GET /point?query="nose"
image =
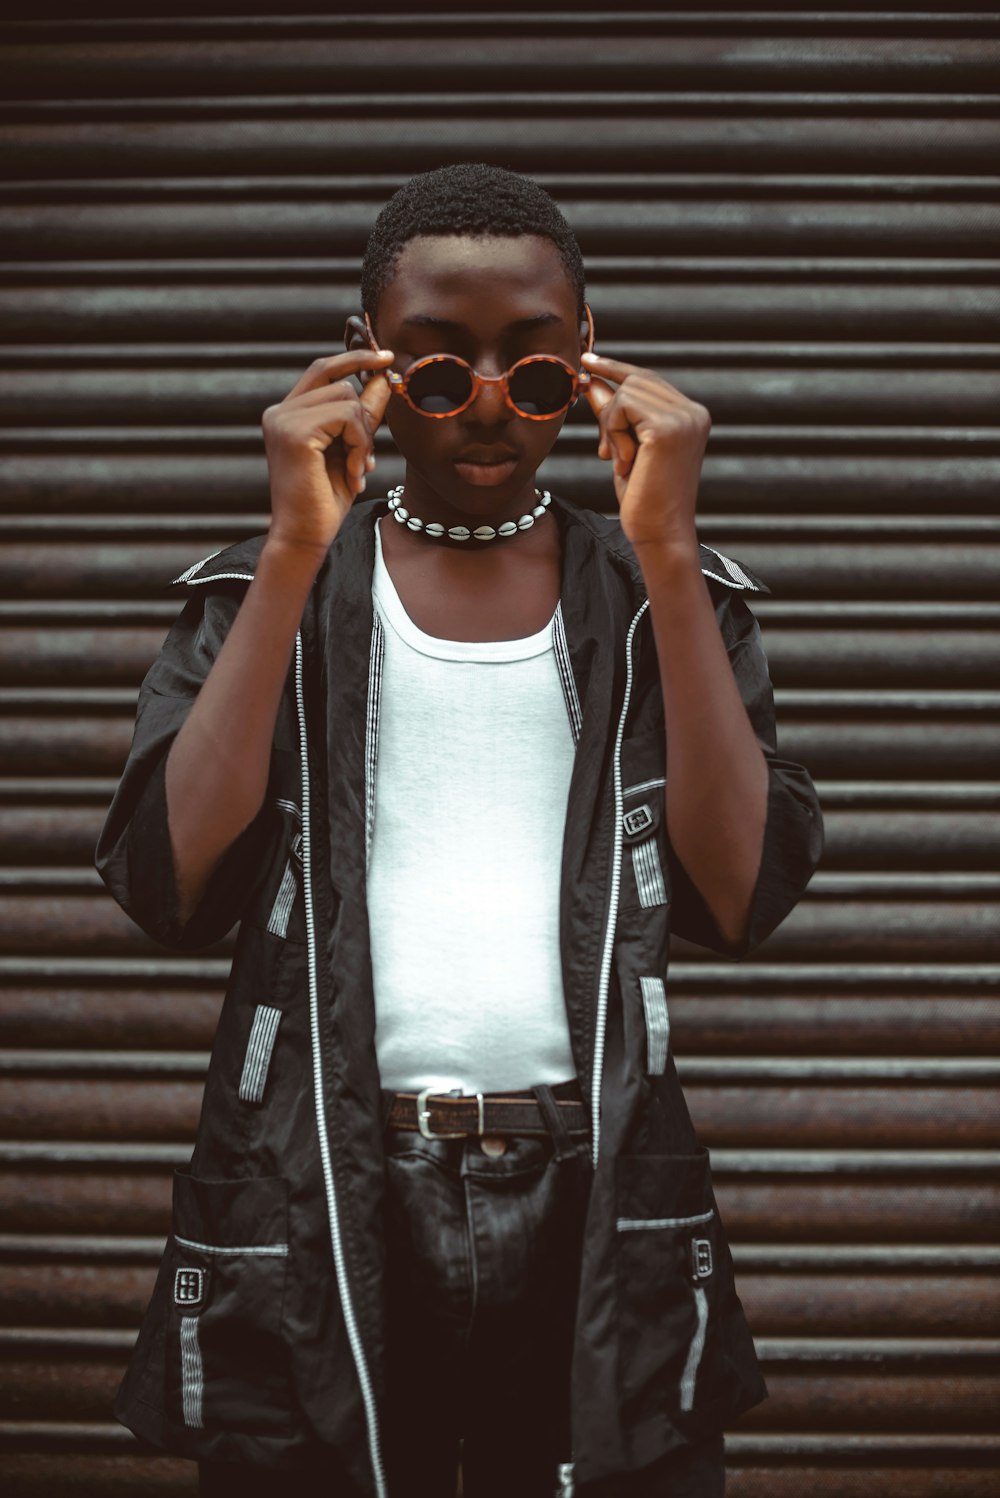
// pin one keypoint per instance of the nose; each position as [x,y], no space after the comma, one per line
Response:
[490,403]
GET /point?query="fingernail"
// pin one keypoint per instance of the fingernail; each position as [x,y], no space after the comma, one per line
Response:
[386,353]
[590,357]
[361,485]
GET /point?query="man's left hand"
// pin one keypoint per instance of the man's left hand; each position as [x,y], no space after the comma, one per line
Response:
[656,439]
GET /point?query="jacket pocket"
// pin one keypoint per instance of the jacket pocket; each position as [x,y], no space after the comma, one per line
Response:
[645,882]
[227,1360]
[668,1262]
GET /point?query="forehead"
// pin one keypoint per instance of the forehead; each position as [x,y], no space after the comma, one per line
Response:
[464,278]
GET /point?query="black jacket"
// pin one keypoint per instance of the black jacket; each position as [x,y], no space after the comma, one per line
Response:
[266,1328]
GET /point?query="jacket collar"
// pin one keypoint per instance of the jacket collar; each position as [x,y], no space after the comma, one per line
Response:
[355,541]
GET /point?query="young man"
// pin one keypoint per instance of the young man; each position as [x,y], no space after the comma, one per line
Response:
[446,1198]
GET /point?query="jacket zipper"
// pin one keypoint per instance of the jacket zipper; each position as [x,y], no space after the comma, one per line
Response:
[333,1210]
[604,982]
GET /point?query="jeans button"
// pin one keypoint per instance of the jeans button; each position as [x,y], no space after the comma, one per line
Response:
[492,1145]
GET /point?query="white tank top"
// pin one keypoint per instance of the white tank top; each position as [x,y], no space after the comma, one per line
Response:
[475,754]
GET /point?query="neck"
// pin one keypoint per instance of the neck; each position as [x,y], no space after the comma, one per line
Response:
[487,506]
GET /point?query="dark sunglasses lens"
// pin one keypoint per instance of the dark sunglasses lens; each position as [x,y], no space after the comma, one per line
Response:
[439,388]
[541,388]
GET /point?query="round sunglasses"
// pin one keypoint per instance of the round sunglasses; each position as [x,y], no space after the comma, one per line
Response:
[538,387]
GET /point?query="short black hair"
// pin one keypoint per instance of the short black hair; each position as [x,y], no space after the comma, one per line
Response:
[469,198]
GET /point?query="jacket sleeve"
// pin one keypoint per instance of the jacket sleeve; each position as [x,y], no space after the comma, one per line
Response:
[793,832]
[133,854]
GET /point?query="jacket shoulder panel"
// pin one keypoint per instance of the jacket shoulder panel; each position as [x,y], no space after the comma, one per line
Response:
[727,570]
[238,561]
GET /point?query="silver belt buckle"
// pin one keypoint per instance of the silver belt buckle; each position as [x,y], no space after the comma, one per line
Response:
[424,1117]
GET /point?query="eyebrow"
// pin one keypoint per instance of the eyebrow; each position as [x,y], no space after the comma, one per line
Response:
[424,320]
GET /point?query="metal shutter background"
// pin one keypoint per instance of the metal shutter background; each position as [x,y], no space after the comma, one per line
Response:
[793,215]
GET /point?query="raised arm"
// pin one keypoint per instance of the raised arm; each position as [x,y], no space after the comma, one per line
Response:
[319,443]
[717,789]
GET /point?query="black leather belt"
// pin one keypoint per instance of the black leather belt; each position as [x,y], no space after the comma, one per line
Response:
[439,1116]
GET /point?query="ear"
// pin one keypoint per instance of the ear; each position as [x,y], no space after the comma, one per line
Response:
[586,329]
[356,337]
[355,332]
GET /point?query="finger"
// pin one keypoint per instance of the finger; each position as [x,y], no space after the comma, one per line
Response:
[375,398]
[338,366]
[599,396]
[618,370]
[321,395]
[618,436]
[613,369]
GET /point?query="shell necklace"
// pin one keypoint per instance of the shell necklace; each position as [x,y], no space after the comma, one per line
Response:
[461,533]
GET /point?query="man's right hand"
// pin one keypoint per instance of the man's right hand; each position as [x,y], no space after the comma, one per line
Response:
[320,446]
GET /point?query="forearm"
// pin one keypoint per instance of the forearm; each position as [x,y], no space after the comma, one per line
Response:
[717,776]
[218,765]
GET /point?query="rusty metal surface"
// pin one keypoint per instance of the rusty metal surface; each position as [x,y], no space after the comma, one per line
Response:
[811,201]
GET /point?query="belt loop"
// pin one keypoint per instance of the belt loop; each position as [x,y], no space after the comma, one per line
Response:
[564,1145]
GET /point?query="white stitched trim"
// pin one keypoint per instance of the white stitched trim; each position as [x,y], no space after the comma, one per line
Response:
[319,1102]
[567,1486]
[604,980]
[262,1250]
[635,1224]
[654,1004]
[189,572]
[258,1057]
[736,577]
[192,1373]
[706,572]
[648,873]
[243,577]
[644,785]
[566,676]
[291,806]
[375,662]
[735,570]
[284,900]
[690,1374]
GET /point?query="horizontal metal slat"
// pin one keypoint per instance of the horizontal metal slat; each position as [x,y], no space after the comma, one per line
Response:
[163,1015]
[734,1116]
[915,847]
[74,1377]
[537,56]
[71,1294]
[133,1199]
[143,396]
[21,1061]
[831,570]
[771,214]
[758,137]
[785,354]
[100,1462]
[860,930]
[823,308]
[52,744]
[97,486]
[837,658]
[579,441]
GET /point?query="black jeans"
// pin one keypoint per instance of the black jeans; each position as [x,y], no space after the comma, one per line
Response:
[482,1269]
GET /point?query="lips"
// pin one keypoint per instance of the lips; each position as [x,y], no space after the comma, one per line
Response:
[487,455]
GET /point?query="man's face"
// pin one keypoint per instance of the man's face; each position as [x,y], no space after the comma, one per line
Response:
[491,301]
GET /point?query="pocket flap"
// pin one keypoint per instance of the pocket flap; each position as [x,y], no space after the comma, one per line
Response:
[662,1190]
[231,1214]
